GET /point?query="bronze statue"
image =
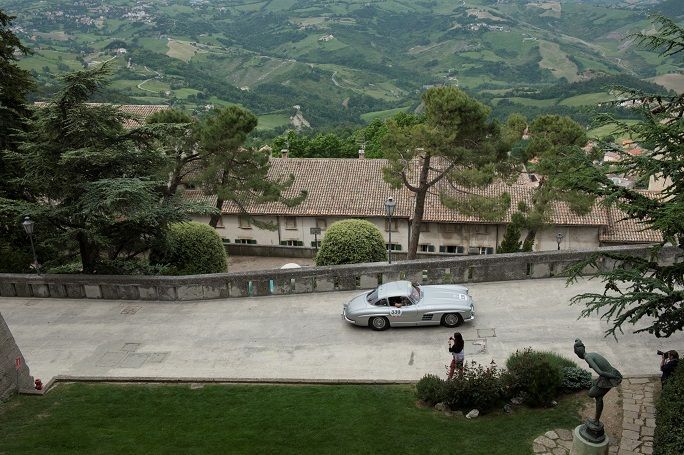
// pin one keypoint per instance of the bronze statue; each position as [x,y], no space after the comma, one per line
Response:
[608,378]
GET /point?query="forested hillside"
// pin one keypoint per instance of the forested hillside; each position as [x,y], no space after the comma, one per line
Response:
[347,62]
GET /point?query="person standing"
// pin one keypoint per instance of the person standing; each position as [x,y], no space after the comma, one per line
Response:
[668,362]
[456,346]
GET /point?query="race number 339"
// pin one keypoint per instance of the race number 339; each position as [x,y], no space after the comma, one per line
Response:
[395,312]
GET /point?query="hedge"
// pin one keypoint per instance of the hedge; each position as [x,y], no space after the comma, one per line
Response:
[669,434]
[191,248]
[351,242]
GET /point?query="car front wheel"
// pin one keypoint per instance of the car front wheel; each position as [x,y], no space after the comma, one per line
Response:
[379,323]
[452,320]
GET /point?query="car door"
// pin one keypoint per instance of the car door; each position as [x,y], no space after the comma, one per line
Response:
[402,311]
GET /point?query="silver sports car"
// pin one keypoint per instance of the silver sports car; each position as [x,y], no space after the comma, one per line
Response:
[402,303]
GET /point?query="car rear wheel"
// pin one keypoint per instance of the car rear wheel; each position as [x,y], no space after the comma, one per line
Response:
[379,323]
[452,320]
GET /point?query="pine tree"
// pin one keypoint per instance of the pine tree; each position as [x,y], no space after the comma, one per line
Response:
[637,289]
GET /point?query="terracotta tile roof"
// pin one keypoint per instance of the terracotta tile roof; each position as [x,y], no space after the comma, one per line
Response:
[628,230]
[355,188]
[140,111]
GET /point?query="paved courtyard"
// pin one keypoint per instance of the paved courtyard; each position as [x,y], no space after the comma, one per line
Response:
[303,336]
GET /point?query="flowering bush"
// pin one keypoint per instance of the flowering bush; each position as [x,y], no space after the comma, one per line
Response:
[476,387]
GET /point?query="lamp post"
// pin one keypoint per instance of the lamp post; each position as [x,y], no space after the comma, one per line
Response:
[315,231]
[390,203]
[559,239]
[28,224]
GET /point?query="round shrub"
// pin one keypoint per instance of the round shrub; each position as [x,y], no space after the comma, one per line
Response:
[535,375]
[351,242]
[575,379]
[191,248]
[430,389]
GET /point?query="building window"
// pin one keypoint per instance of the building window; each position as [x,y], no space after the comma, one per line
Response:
[291,243]
[290,222]
[395,225]
[394,246]
[426,248]
[424,227]
[315,244]
[451,249]
[246,241]
[321,223]
[449,227]
[480,250]
[482,229]
[244,223]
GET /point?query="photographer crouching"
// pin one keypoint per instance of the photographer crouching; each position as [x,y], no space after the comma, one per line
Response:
[668,363]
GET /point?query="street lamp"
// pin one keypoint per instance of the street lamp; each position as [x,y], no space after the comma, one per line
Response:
[28,224]
[390,203]
[559,239]
[315,231]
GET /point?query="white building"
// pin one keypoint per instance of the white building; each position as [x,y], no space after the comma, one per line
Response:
[354,188]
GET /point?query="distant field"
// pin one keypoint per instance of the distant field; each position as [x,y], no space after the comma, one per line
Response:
[184,92]
[181,50]
[557,61]
[370,116]
[672,81]
[587,99]
[271,121]
[528,101]
[606,130]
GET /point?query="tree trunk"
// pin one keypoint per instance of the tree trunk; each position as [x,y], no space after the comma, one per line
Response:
[213,221]
[89,253]
[419,210]
[174,181]
[416,222]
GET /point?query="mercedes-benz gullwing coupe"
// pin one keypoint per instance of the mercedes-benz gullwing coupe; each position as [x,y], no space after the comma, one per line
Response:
[402,303]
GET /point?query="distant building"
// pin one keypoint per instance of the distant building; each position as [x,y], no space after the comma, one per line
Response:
[354,188]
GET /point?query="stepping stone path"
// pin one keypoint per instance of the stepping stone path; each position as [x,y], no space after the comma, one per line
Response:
[638,423]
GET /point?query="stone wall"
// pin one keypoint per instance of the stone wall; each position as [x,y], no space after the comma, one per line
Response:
[9,351]
[452,269]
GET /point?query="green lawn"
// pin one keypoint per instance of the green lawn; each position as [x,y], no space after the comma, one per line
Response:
[129,419]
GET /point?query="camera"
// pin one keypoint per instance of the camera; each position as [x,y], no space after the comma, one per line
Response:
[660,352]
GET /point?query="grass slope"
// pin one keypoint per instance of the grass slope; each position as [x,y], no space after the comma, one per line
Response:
[131,419]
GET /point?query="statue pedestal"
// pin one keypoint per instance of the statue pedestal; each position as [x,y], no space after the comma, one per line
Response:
[583,446]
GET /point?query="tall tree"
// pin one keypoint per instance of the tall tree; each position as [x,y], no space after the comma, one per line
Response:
[178,140]
[235,173]
[15,84]
[92,181]
[454,142]
[552,151]
[637,289]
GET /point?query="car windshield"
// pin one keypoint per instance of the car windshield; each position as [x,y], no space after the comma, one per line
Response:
[372,296]
[415,293]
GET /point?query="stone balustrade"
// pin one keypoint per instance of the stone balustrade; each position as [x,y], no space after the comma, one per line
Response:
[449,269]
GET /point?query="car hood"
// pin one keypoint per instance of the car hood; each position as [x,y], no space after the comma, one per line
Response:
[357,303]
[446,295]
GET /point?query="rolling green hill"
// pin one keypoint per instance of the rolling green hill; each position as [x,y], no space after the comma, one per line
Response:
[342,62]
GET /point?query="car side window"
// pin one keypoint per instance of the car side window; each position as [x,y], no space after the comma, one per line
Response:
[381,302]
[405,301]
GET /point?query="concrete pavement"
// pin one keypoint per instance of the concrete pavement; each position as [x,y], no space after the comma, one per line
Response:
[303,336]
